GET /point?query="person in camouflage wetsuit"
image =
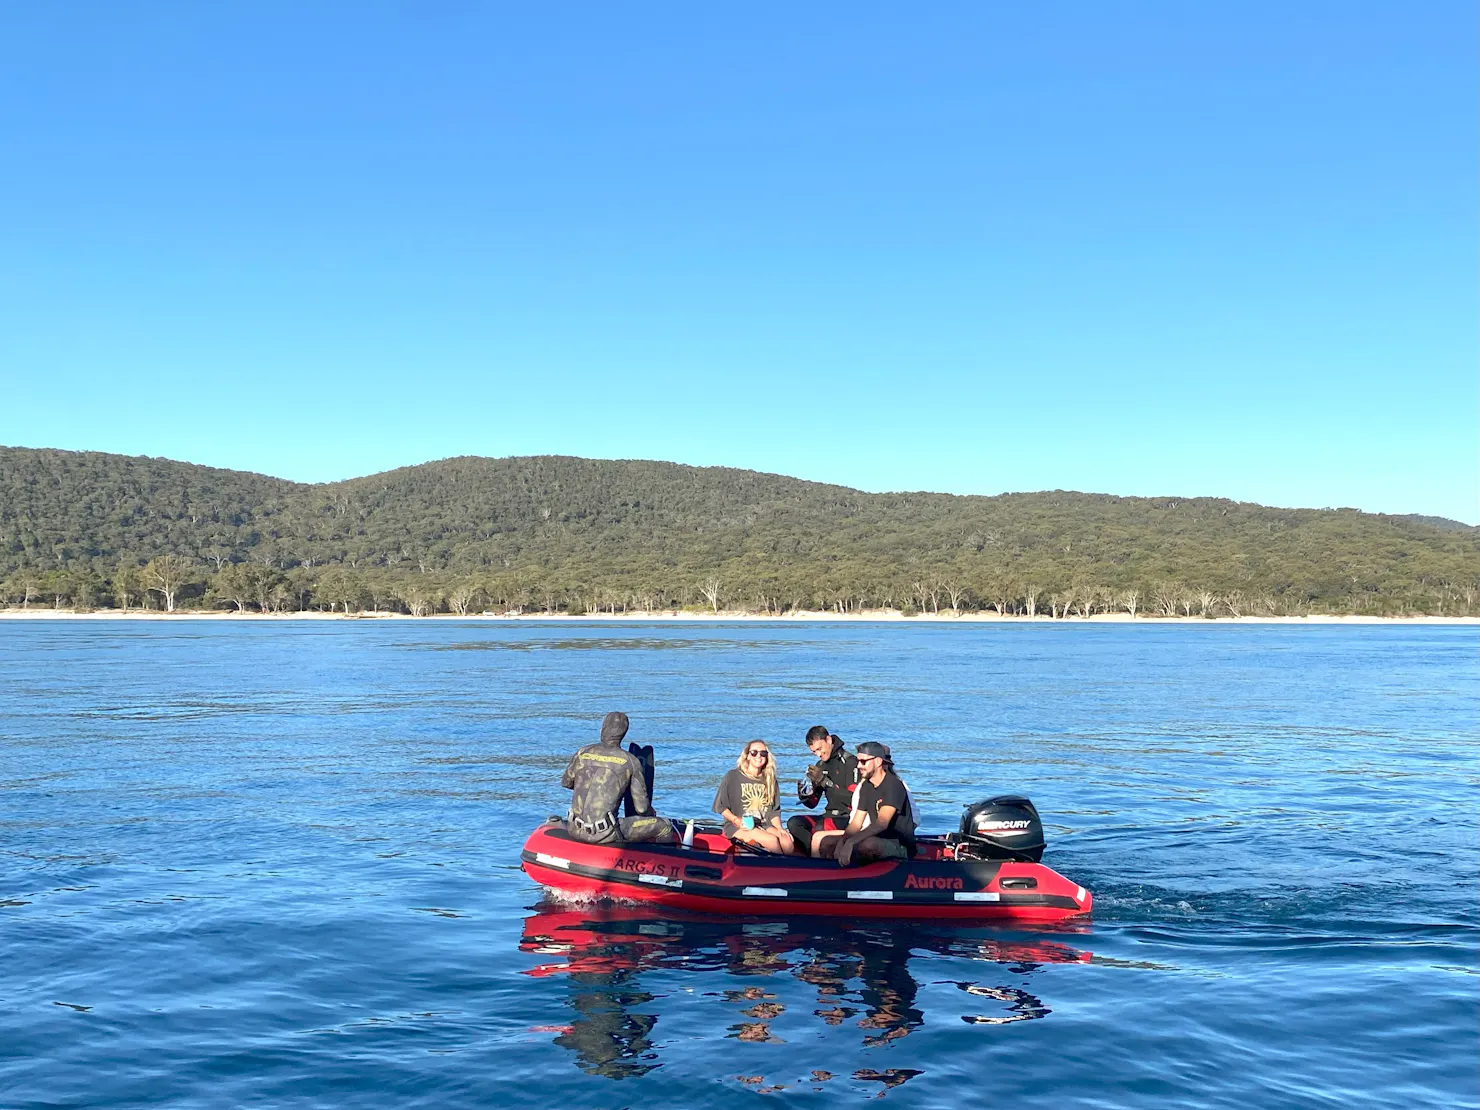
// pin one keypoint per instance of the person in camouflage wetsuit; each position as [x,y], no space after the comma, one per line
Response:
[599,777]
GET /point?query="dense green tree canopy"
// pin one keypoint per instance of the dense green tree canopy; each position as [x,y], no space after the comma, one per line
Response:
[577,534]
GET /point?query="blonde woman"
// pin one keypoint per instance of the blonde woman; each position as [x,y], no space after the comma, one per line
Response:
[749,802]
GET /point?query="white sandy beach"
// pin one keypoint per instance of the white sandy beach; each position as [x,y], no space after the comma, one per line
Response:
[803,616]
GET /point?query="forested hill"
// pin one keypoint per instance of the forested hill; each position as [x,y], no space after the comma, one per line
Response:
[569,533]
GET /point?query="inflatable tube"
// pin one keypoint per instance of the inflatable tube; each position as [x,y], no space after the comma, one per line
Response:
[712,877]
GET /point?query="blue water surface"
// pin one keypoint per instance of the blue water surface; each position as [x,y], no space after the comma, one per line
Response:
[277,864]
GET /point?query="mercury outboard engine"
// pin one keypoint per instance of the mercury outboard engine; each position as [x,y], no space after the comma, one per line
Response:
[1001,828]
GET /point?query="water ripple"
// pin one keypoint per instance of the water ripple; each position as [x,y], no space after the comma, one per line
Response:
[278,865]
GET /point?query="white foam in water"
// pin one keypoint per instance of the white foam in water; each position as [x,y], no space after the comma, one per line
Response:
[575,898]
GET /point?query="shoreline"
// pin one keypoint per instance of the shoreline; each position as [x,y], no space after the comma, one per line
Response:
[668,616]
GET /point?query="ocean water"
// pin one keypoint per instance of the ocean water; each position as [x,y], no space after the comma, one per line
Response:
[253,864]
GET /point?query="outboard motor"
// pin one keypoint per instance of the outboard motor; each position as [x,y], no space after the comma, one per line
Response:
[1001,828]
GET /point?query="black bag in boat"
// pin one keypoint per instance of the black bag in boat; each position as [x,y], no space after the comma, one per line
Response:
[644,755]
[1001,828]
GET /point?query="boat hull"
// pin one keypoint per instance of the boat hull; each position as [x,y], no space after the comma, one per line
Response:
[713,878]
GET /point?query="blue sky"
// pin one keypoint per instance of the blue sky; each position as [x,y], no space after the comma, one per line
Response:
[1135,248]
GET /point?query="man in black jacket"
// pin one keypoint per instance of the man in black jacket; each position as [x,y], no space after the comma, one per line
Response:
[599,777]
[832,780]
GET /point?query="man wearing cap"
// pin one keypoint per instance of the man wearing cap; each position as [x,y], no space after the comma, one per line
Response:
[883,823]
[599,777]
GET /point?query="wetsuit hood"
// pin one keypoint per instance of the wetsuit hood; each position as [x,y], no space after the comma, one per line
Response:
[613,728]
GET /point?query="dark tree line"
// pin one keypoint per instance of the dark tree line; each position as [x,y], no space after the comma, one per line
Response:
[555,534]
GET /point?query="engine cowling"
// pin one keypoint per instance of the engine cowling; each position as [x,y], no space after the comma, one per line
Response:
[1006,827]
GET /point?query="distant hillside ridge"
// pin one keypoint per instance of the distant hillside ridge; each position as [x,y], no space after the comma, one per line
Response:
[578,534]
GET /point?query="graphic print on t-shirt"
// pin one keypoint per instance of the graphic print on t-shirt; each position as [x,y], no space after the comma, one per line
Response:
[753,799]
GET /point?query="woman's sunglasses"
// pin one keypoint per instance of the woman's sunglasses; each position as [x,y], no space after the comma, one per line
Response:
[759,754]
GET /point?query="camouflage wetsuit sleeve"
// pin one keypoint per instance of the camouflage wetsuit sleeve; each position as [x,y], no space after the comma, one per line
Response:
[568,780]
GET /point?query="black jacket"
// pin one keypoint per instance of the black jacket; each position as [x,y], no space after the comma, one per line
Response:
[839,780]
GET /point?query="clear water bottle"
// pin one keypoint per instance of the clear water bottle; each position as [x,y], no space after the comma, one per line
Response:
[688,834]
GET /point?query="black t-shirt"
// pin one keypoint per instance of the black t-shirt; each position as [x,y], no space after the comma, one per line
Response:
[890,792]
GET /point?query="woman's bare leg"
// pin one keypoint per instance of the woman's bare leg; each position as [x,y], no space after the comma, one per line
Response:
[765,839]
[774,840]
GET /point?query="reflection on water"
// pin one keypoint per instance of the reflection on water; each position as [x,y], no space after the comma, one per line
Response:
[858,976]
[601,643]
[1022,1005]
[606,1036]
[277,865]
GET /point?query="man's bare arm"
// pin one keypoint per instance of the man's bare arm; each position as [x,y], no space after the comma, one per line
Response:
[867,827]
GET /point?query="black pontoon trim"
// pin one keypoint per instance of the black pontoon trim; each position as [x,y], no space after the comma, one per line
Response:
[838,890]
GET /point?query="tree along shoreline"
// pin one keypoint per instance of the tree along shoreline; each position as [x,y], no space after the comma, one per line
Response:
[172,583]
[565,535]
[699,616]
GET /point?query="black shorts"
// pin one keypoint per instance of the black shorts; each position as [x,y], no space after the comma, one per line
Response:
[887,847]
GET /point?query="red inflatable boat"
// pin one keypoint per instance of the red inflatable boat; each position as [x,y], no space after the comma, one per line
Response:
[712,877]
